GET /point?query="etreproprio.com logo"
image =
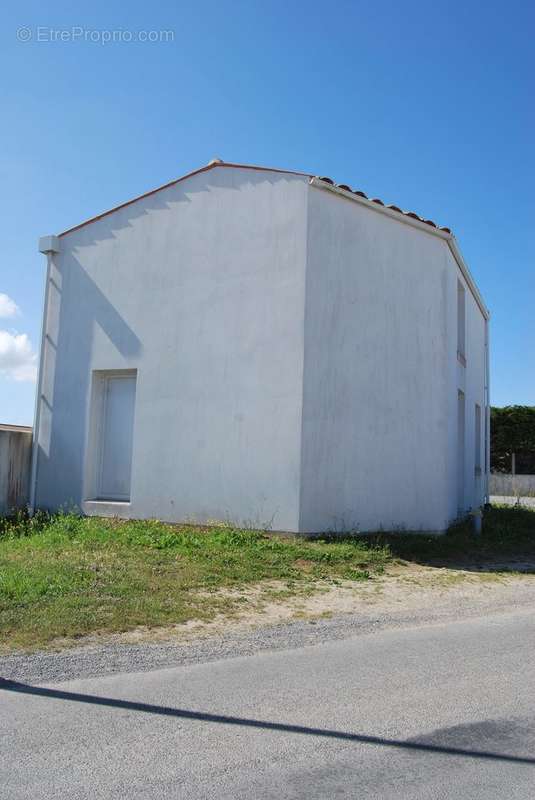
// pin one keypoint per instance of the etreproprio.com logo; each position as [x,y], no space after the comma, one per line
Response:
[76,33]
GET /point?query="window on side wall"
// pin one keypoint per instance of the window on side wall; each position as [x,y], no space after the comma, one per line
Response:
[461,323]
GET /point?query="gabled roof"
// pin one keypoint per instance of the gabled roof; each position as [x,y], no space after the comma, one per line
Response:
[216,162]
[324,182]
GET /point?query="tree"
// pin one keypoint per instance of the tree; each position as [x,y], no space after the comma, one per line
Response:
[512,430]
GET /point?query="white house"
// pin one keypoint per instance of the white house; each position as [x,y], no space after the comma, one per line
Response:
[266,347]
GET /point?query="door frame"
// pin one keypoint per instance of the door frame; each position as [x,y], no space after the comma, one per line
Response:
[95,434]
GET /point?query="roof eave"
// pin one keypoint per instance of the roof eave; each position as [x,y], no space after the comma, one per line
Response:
[463,266]
[414,223]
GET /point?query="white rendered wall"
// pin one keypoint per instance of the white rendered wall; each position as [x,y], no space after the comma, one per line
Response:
[296,357]
[199,287]
[380,379]
[470,379]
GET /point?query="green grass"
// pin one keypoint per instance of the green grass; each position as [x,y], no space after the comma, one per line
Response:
[67,576]
[508,536]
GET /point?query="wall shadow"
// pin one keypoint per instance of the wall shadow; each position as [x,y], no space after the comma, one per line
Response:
[506,543]
[67,377]
[81,306]
[183,191]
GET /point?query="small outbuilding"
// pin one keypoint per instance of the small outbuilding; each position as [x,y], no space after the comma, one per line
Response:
[264,347]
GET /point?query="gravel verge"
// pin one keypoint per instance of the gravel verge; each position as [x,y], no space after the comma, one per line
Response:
[107,659]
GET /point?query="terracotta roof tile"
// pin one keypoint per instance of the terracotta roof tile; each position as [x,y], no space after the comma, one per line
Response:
[379,202]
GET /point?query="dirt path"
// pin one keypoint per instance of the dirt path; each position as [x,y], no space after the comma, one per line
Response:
[404,592]
[269,619]
[401,588]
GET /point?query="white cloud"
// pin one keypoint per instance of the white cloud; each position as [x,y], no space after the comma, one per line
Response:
[17,359]
[8,307]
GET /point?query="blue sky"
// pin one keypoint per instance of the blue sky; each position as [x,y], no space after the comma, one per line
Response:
[429,106]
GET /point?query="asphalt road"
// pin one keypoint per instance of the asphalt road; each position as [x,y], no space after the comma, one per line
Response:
[433,711]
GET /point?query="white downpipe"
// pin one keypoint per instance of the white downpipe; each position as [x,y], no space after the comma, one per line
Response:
[39,392]
[47,245]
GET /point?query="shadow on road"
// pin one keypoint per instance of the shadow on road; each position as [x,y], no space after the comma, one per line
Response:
[180,713]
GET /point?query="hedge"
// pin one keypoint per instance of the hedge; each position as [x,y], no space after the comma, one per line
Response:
[512,430]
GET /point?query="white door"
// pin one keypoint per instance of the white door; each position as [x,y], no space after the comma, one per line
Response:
[116,438]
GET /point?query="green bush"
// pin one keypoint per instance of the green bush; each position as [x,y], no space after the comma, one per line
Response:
[512,430]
